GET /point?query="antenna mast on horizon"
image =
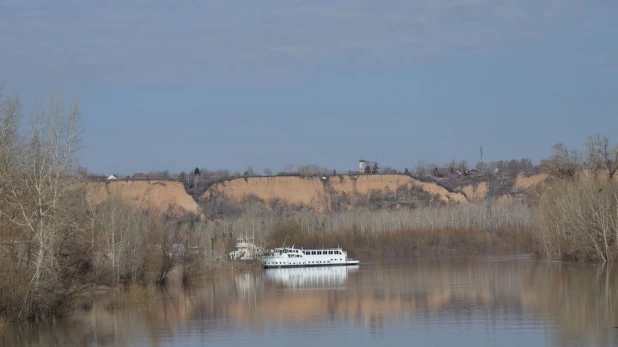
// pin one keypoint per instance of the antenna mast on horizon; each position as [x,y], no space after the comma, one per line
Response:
[481,152]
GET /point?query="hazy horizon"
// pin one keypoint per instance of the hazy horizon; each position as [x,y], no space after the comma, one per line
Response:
[227,85]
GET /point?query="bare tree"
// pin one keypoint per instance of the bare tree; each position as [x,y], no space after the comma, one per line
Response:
[312,170]
[562,162]
[601,156]
[249,172]
[389,170]
[116,221]
[463,166]
[39,170]
[610,156]
[577,219]
[420,169]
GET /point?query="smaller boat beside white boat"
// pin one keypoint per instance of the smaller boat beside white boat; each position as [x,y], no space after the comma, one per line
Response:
[294,257]
[246,249]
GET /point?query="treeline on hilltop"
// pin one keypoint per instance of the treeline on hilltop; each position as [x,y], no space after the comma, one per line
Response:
[449,175]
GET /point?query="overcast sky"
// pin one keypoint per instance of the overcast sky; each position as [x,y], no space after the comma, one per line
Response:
[231,84]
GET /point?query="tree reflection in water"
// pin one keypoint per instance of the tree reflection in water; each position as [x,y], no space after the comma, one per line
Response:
[565,303]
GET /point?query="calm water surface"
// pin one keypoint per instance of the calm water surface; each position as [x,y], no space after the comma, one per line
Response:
[428,301]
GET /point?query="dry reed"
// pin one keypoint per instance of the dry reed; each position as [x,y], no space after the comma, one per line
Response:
[473,227]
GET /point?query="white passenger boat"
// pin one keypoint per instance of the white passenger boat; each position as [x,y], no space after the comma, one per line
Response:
[294,257]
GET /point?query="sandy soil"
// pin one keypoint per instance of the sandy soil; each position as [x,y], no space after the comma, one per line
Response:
[160,195]
[316,192]
[525,183]
[475,193]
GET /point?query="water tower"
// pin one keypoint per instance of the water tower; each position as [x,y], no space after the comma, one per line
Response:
[362,165]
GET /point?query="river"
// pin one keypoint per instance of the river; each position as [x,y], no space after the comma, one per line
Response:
[423,301]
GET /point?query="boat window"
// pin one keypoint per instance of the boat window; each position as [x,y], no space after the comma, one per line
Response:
[313,253]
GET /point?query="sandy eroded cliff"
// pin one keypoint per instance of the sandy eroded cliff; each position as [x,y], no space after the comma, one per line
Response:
[163,196]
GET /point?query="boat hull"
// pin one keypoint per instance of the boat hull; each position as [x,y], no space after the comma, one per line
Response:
[347,263]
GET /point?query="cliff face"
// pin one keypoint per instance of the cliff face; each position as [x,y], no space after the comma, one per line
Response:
[504,188]
[523,184]
[162,196]
[332,193]
[474,192]
[319,193]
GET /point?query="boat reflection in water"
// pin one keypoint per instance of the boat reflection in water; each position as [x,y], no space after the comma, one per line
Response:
[310,278]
